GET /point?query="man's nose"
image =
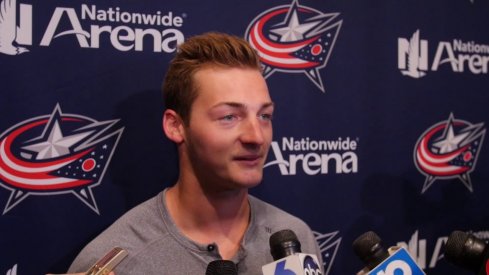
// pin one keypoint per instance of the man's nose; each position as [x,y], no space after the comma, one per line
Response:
[252,132]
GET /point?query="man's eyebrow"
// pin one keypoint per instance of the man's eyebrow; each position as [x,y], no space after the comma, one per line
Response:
[241,105]
[230,104]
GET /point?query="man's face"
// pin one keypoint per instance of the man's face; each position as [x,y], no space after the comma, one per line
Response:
[230,128]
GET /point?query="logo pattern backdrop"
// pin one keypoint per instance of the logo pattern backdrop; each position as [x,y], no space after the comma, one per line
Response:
[380,123]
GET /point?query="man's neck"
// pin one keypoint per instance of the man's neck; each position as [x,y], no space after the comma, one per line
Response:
[210,216]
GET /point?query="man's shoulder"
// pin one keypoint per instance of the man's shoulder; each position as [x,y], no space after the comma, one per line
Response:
[268,219]
[273,216]
[146,217]
[132,231]
[145,211]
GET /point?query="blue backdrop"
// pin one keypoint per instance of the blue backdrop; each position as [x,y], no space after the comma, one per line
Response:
[380,120]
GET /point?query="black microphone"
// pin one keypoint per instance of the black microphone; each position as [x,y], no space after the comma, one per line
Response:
[368,247]
[221,267]
[288,257]
[378,260]
[284,243]
[467,251]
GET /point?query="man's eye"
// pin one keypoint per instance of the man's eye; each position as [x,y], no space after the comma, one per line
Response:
[228,118]
[266,116]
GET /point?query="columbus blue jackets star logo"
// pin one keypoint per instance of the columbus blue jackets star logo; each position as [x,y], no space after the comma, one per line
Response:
[56,154]
[328,245]
[449,149]
[294,39]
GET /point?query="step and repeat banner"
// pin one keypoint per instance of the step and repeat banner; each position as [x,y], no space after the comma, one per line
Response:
[381,118]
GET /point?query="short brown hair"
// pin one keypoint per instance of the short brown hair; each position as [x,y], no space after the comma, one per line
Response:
[208,49]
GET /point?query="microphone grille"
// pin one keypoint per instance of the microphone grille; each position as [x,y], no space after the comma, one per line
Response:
[466,250]
[221,267]
[455,245]
[281,236]
[368,247]
[284,243]
[364,243]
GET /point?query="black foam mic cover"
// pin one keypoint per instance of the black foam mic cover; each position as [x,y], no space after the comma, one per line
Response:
[467,251]
[368,247]
[221,267]
[284,243]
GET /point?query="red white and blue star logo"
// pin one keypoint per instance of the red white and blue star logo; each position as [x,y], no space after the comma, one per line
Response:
[449,149]
[294,39]
[56,154]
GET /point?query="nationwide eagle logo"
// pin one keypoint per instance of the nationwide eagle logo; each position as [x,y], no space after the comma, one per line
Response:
[12,34]
[56,154]
[294,39]
[449,149]
[416,51]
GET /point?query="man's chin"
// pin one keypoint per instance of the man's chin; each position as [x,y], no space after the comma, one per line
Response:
[250,182]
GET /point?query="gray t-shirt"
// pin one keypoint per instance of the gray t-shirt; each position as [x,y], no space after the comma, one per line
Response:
[156,246]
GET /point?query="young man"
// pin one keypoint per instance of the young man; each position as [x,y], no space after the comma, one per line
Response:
[219,114]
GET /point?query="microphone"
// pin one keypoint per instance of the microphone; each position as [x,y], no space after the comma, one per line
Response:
[467,251]
[288,257]
[379,261]
[221,267]
[368,247]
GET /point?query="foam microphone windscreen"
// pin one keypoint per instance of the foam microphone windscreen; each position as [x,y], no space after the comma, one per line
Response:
[221,267]
[466,250]
[368,247]
[284,243]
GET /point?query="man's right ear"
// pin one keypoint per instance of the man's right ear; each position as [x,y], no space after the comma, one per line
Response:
[173,126]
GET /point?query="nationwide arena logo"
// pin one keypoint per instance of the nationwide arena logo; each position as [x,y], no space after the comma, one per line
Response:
[457,56]
[294,39]
[426,254]
[56,154]
[314,157]
[90,26]
[449,149]
[328,245]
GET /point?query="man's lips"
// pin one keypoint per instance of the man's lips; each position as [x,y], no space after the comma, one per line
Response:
[248,158]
